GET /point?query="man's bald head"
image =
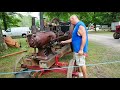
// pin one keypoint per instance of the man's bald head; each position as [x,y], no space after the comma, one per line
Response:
[74,19]
[74,16]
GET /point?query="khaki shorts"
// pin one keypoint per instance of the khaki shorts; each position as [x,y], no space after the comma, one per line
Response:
[80,60]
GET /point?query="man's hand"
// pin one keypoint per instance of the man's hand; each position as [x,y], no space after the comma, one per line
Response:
[62,42]
[66,41]
[80,53]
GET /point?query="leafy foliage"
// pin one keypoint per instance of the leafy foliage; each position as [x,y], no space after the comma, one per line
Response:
[9,19]
[26,21]
[87,17]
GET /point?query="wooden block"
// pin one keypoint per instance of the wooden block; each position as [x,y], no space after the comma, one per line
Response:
[51,58]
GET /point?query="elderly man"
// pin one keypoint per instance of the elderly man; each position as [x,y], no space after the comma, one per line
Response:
[79,42]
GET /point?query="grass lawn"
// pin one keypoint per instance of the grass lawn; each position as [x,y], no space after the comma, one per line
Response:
[7,63]
[97,54]
[101,32]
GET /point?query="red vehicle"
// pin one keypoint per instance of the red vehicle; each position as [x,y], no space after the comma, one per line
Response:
[92,27]
[116,35]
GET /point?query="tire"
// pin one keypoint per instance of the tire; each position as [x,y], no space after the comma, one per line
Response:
[24,35]
[70,68]
[116,36]
[4,35]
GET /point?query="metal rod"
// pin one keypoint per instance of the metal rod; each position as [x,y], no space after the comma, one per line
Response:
[41,21]
[33,21]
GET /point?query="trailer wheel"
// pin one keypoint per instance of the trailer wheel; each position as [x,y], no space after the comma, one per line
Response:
[17,68]
[21,60]
[72,69]
[24,35]
[4,35]
[116,36]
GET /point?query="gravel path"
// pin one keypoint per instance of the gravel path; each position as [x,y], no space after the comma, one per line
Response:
[105,40]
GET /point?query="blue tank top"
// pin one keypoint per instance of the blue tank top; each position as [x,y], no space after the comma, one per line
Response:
[77,40]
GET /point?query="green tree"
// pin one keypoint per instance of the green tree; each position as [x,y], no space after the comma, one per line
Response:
[87,17]
[26,21]
[37,22]
[7,19]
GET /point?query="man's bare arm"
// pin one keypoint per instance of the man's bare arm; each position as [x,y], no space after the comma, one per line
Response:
[67,41]
[82,32]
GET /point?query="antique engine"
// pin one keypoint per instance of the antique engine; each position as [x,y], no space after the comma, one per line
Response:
[45,40]
[47,49]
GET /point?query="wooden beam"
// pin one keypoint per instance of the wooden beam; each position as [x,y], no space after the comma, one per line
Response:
[13,54]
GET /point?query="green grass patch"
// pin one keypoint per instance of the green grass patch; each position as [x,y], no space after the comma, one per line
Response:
[101,32]
[102,54]
[54,75]
[7,64]
[10,50]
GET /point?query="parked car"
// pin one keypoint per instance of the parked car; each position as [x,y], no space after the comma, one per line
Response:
[17,31]
[98,27]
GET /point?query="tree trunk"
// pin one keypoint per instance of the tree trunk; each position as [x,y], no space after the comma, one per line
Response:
[94,17]
[95,26]
[4,21]
[3,45]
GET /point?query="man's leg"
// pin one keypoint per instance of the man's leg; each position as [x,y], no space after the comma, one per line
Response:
[83,66]
[84,71]
[80,61]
